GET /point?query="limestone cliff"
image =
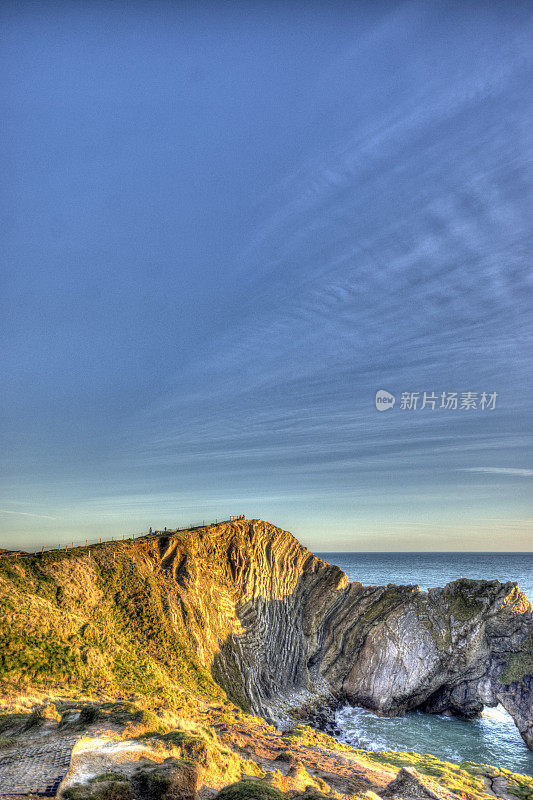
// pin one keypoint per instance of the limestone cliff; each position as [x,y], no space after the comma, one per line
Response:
[244,603]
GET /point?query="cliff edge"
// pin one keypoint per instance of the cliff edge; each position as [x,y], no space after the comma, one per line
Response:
[243,607]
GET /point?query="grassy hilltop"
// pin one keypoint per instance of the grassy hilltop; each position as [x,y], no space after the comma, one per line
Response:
[118,645]
[95,620]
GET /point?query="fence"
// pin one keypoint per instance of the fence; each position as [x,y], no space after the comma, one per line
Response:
[77,544]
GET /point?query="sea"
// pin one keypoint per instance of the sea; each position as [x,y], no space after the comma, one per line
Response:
[490,739]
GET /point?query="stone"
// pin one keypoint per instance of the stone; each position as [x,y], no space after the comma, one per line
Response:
[172,780]
[410,785]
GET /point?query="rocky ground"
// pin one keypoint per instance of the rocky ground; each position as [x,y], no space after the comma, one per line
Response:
[124,751]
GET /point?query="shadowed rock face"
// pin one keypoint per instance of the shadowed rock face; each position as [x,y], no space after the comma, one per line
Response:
[275,625]
[303,626]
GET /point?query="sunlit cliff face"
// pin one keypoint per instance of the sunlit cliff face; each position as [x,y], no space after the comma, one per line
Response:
[242,607]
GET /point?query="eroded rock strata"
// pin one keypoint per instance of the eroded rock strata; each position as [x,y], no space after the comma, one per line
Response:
[276,625]
[299,624]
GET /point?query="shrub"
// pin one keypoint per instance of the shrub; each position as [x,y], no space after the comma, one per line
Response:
[46,713]
[250,790]
[109,786]
[172,780]
[7,741]
[89,715]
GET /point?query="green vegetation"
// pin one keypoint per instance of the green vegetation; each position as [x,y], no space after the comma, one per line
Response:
[461,598]
[109,776]
[464,779]
[519,785]
[89,715]
[13,721]
[94,623]
[464,609]
[312,738]
[250,790]
[42,714]
[287,757]
[109,786]
[519,664]
[450,775]
[173,779]
[92,627]
[7,741]
[391,597]
[203,749]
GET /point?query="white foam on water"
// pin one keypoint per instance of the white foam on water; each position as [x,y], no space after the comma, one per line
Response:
[491,739]
[496,714]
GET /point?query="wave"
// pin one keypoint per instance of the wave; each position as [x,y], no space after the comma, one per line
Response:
[490,739]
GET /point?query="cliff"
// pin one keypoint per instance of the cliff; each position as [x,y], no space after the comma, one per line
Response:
[243,607]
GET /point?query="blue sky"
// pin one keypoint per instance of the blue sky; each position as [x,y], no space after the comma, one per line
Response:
[225,227]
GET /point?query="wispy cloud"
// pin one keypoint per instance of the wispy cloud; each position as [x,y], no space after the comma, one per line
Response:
[522,473]
[26,514]
[370,232]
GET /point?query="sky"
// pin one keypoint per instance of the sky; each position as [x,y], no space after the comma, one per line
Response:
[226,226]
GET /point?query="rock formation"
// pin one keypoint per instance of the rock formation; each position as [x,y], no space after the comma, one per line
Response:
[276,626]
[302,626]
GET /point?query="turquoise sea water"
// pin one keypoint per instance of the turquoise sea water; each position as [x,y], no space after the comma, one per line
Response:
[490,739]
